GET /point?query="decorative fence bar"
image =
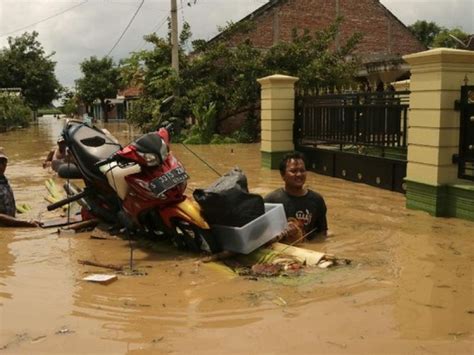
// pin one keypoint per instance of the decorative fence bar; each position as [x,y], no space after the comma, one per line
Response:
[367,119]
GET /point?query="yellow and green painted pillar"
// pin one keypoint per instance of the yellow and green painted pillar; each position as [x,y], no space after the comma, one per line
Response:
[277,118]
[433,134]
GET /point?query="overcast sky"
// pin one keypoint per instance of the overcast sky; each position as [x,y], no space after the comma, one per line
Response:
[78,29]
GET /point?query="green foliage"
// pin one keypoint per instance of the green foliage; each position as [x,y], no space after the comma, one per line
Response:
[215,139]
[205,117]
[218,139]
[49,111]
[13,112]
[70,107]
[217,81]
[70,102]
[445,38]
[249,132]
[195,139]
[433,36]
[425,31]
[100,81]
[145,113]
[231,29]
[310,57]
[24,64]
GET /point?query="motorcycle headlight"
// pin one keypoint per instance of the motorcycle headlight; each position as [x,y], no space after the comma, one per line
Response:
[151,159]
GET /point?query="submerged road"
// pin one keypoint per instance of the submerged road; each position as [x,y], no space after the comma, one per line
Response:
[409,288]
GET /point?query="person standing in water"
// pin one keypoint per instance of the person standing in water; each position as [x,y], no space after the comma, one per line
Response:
[7,200]
[305,206]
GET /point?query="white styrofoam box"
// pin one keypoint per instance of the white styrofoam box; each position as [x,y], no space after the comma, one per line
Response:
[254,234]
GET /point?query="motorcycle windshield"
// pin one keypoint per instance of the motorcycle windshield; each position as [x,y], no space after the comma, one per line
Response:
[151,143]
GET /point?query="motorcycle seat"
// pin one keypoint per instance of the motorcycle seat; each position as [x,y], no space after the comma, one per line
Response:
[88,156]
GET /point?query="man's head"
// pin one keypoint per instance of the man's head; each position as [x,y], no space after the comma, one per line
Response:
[3,161]
[293,171]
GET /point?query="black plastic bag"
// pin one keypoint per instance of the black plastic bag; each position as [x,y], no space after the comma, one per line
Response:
[228,202]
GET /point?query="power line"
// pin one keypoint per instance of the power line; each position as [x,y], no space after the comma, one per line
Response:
[43,20]
[126,28]
[157,27]
[153,30]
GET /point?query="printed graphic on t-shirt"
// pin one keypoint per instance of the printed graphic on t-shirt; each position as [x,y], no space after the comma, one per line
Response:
[304,216]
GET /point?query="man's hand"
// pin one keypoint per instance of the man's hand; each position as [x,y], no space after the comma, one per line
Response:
[293,232]
[34,223]
[9,221]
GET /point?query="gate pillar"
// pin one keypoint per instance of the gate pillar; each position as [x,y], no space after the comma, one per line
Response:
[433,134]
[277,118]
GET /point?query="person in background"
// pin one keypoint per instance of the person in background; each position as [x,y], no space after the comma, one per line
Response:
[303,206]
[57,156]
[7,200]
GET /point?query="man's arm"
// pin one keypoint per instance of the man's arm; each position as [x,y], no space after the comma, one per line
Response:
[48,159]
[9,221]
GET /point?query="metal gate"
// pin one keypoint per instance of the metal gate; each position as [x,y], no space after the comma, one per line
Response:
[356,136]
[465,158]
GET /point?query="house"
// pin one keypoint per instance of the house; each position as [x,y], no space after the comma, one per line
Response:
[129,95]
[118,106]
[385,38]
[10,91]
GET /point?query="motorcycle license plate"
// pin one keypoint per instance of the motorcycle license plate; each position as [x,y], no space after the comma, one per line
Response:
[168,180]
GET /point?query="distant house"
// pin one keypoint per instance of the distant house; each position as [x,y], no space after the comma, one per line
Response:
[118,106]
[10,91]
[129,95]
[385,38]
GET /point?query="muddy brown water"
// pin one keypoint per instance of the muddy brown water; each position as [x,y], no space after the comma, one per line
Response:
[409,289]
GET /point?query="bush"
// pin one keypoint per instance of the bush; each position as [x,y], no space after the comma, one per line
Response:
[195,139]
[217,139]
[69,108]
[13,112]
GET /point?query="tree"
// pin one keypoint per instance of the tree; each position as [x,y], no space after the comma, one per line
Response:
[69,104]
[24,64]
[217,81]
[311,58]
[450,38]
[13,112]
[100,81]
[425,31]
[433,36]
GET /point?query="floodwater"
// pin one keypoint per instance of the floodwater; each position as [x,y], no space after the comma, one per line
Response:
[409,289]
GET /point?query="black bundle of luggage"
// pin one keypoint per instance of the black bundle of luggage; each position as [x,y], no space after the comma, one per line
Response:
[228,201]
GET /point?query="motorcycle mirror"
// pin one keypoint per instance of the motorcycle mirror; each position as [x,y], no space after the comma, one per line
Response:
[166,104]
[96,141]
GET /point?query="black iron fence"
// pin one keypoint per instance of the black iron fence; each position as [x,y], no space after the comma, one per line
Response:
[365,119]
[465,158]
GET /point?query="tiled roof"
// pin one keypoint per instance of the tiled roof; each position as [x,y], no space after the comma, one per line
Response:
[131,92]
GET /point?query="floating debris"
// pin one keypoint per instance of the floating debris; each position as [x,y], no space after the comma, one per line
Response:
[100,278]
[106,266]
[64,331]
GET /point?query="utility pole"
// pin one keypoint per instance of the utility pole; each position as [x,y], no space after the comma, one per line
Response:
[174,37]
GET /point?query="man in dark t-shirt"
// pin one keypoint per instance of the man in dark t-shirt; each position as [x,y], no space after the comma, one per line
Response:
[307,206]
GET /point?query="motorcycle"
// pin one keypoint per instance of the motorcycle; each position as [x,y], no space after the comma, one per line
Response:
[141,186]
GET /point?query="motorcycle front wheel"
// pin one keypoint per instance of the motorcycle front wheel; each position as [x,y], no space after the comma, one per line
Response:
[189,236]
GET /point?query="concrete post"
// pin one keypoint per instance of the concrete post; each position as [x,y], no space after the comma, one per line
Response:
[277,115]
[433,134]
